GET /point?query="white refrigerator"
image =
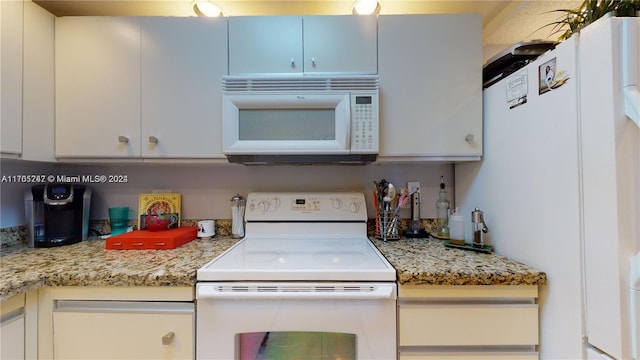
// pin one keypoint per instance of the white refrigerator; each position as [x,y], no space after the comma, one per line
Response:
[559,185]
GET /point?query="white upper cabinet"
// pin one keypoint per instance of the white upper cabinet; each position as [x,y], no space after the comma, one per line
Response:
[11,20]
[430,69]
[183,62]
[38,81]
[340,44]
[260,44]
[147,87]
[309,44]
[27,78]
[97,87]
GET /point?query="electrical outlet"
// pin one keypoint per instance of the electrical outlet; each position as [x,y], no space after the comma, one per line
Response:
[411,186]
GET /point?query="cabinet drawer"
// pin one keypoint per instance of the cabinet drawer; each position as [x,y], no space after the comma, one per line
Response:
[468,356]
[123,330]
[468,324]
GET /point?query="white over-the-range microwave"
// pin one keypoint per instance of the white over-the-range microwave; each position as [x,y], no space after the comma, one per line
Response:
[300,119]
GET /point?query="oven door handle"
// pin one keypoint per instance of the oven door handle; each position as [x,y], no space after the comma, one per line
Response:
[380,292]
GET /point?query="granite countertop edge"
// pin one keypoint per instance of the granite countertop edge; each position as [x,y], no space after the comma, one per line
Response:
[88,263]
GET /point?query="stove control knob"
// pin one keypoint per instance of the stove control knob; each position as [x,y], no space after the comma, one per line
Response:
[263,206]
[354,207]
[337,203]
[276,201]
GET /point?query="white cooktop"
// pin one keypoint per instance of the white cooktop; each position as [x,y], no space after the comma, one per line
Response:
[302,237]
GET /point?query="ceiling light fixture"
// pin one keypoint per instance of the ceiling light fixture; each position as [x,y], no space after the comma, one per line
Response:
[366,7]
[206,8]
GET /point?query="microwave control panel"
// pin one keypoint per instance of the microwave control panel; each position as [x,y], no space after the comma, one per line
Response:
[364,123]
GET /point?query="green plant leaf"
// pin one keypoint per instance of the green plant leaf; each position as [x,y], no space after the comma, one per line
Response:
[588,12]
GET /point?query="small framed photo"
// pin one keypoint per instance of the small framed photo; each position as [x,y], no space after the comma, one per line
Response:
[546,76]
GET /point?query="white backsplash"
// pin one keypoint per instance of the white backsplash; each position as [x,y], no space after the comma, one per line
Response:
[207,189]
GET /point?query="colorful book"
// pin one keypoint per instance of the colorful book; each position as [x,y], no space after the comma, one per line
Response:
[164,204]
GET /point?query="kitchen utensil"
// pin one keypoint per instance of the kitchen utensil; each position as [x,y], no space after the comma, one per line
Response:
[386,202]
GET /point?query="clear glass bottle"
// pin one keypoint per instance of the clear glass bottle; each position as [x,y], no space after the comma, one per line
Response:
[237,216]
[443,206]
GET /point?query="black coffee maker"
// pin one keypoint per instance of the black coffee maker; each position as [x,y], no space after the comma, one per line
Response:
[57,214]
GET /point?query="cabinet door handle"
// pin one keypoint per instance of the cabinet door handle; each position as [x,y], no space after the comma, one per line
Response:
[153,140]
[313,62]
[123,139]
[168,338]
[293,62]
[469,138]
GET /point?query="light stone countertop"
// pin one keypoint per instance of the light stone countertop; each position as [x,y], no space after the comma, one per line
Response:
[429,262]
[88,263]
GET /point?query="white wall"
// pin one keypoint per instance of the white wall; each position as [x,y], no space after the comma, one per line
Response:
[207,189]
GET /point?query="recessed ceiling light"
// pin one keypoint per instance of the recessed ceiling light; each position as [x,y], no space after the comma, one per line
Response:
[366,7]
[206,8]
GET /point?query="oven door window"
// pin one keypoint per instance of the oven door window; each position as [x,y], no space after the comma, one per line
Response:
[289,345]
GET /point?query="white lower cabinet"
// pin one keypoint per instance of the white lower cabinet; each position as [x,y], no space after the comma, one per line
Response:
[118,323]
[18,327]
[123,330]
[468,356]
[468,322]
[12,325]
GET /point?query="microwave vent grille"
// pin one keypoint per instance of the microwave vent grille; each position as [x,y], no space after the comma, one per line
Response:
[303,83]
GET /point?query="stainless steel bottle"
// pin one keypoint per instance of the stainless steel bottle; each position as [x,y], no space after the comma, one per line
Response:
[478,228]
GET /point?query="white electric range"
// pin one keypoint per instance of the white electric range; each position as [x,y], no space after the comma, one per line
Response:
[305,282]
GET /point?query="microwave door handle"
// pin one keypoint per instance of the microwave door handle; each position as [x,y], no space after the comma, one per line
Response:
[350,112]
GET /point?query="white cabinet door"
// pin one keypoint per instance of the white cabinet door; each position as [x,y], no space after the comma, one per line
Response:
[11,20]
[468,322]
[265,44]
[97,87]
[430,69]
[340,44]
[309,44]
[38,103]
[12,338]
[183,62]
[12,328]
[123,330]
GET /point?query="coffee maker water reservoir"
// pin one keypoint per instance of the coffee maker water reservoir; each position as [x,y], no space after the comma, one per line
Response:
[57,214]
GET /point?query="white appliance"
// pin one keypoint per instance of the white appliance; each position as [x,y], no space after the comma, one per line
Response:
[560,185]
[300,119]
[304,283]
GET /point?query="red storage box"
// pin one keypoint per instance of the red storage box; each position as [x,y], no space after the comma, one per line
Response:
[152,240]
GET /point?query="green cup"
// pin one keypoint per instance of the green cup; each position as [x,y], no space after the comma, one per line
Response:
[119,219]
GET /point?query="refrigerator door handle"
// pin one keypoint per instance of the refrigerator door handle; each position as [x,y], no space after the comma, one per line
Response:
[631,101]
[630,56]
[600,353]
